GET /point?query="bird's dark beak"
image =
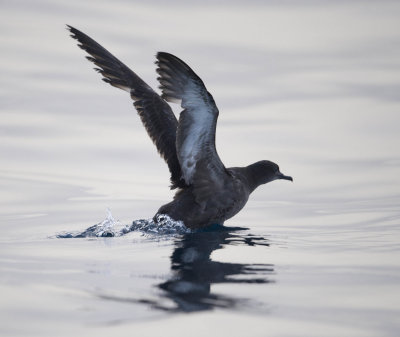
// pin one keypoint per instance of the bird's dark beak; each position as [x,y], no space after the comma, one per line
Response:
[279,175]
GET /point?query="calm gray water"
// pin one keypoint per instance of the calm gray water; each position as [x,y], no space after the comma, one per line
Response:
[311,85]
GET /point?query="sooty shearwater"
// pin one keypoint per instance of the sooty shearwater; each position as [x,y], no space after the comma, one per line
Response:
[208,192]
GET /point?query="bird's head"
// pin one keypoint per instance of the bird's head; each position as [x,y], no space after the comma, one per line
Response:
[265,171]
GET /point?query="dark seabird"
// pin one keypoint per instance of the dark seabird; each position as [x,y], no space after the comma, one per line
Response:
[208,192]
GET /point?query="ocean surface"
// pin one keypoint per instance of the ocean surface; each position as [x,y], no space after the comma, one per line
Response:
[311,85]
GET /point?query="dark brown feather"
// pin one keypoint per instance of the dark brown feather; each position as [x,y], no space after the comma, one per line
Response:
[156,115]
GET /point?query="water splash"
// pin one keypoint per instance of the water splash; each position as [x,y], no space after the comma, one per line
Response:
[161,224]
[106,228]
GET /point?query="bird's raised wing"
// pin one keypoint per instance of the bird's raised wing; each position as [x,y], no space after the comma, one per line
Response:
[156,115]
[195,140]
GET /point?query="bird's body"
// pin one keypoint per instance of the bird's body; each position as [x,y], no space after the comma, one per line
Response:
[208,193]
[223,204]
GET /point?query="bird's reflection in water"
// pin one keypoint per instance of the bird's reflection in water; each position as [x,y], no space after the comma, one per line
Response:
[193,270]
